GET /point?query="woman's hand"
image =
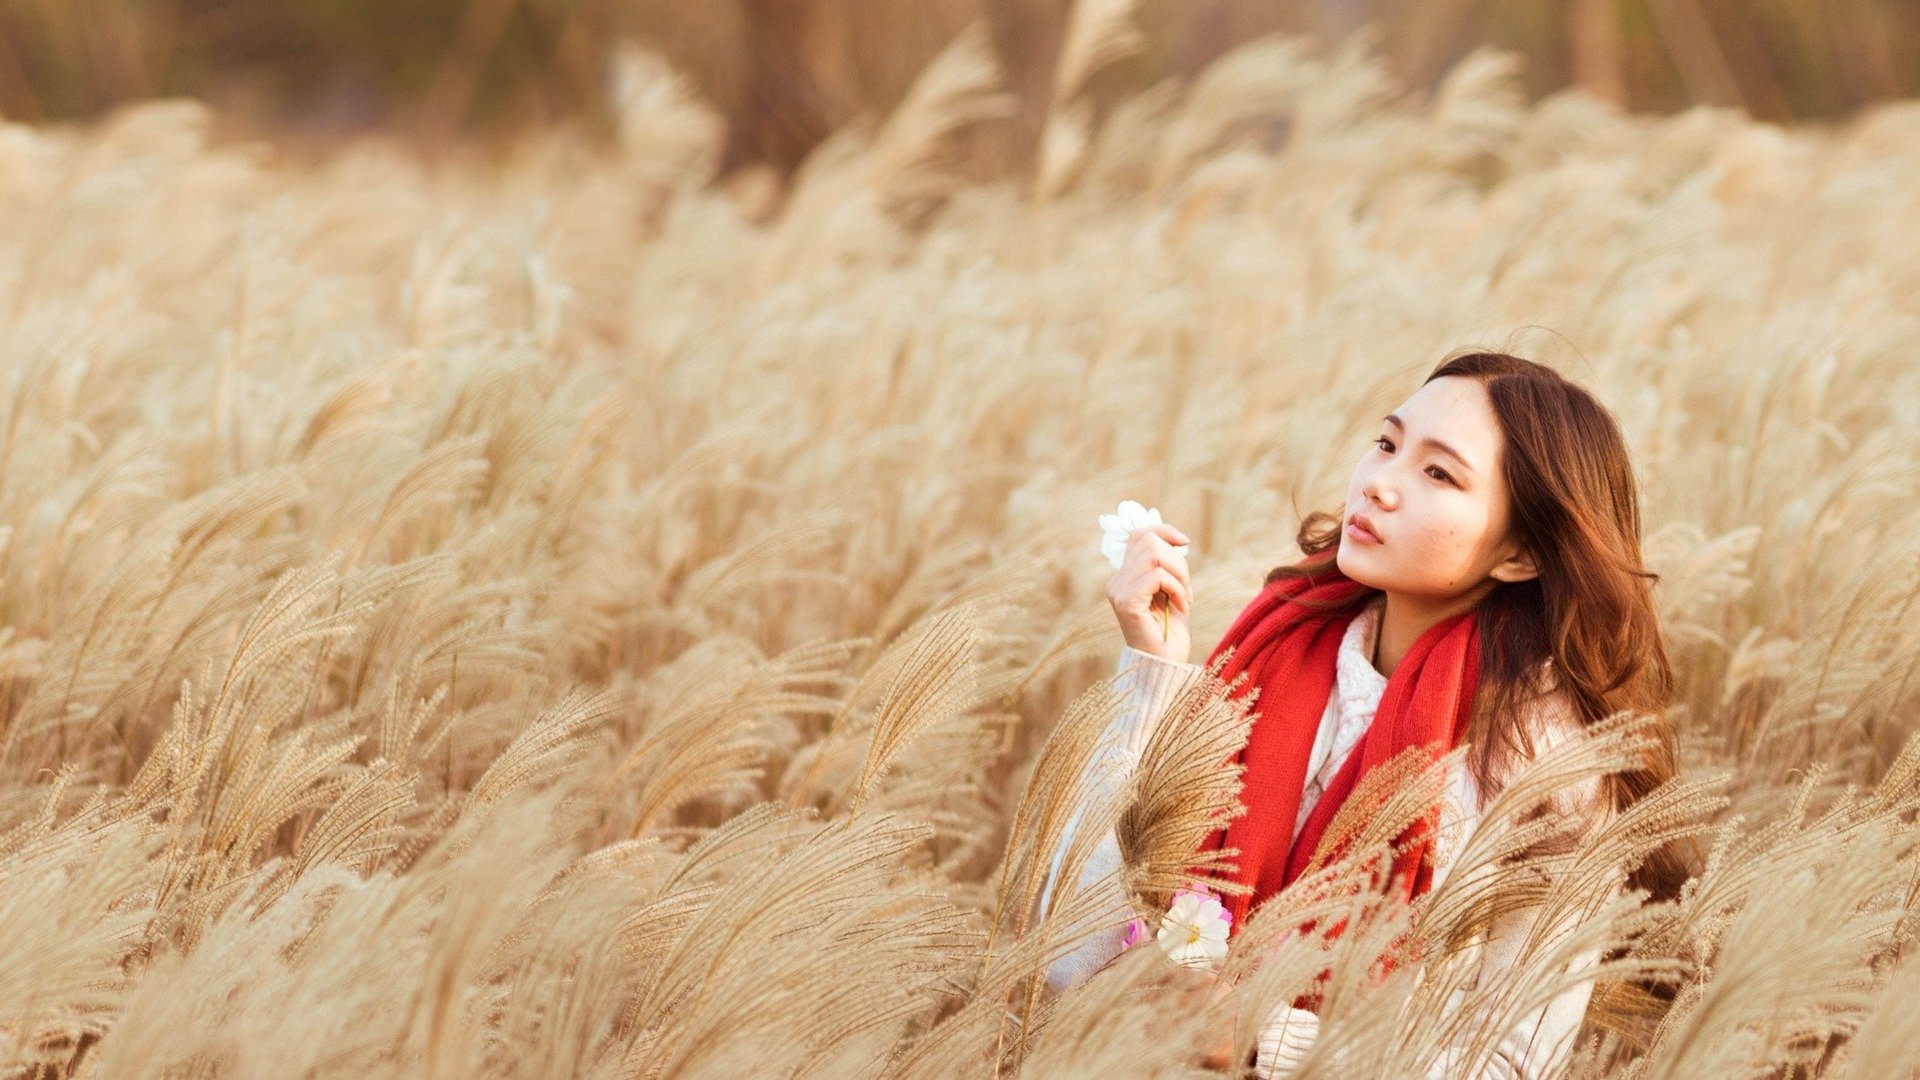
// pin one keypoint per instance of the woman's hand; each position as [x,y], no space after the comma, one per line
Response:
[1152,567]
[1220,1047]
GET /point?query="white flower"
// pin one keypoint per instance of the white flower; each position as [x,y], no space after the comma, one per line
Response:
[1194,929]
[1118,525]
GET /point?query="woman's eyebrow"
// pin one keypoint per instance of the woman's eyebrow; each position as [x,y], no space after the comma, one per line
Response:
[1428,440]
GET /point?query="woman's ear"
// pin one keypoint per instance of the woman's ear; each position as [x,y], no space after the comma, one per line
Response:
[1517,566]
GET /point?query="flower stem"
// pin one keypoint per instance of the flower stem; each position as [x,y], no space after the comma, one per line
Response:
[1166,610]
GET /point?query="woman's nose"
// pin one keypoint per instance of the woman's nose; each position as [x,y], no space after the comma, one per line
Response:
[1380,492]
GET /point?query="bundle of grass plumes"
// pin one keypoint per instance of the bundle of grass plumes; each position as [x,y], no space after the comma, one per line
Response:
[572,616]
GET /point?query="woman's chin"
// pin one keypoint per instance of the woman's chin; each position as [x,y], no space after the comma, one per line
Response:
[1354,564]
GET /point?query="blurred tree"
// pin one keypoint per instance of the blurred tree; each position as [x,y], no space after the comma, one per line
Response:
[1594,39]
[788,72]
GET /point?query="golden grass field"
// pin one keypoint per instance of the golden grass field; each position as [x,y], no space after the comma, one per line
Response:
[564,616]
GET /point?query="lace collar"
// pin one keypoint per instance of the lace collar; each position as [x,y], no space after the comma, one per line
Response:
[1359,683]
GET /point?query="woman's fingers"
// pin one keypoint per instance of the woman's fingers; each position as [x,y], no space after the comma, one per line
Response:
[1154,546]
[1150,567]
[1137,581]
[1139,589]
[1165,534]
[1176,564]
[1168,533]
[1164,581]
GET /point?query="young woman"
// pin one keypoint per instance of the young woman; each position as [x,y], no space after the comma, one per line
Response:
[1483,584]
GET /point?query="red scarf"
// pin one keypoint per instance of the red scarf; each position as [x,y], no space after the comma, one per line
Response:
[1290,648]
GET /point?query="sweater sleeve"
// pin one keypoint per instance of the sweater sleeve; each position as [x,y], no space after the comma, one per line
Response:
[1538,1042]
[1147,684]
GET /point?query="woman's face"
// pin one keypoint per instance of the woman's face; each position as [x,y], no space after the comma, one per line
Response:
[1432,491]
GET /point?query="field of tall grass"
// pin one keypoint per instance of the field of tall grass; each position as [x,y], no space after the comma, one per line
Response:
[571,616]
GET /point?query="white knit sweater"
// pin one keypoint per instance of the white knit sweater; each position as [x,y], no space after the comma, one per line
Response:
[1534,1046]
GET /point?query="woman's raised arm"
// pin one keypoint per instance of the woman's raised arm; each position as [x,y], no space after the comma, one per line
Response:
[1148,684]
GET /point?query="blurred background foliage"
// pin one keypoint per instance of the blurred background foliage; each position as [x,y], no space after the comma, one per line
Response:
[785,73]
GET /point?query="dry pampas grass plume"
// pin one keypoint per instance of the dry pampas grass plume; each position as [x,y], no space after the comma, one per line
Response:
[564,615]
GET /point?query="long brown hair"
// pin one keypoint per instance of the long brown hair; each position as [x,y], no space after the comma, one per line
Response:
[1575,509]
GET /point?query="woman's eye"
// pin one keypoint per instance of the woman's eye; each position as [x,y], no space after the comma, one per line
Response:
[1383,444]
[1439,473]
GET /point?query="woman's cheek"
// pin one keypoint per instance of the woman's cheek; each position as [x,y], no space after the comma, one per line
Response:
[1435,564]
[1458,539]
[1432,565]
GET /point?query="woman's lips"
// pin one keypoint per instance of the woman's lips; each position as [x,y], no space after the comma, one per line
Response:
[1357,531]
